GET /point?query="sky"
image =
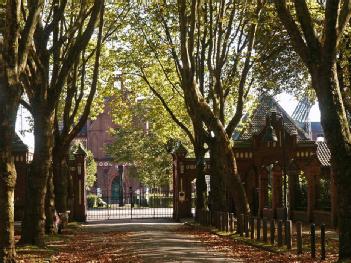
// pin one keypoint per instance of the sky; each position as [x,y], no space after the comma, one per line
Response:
[289,103]
[285,100]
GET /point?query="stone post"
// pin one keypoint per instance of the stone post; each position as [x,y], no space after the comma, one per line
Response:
[310,196]
[80,201]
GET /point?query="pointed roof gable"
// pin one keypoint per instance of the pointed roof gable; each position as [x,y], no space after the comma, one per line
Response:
[255,123]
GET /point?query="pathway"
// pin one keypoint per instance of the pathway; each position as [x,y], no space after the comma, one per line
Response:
[159,241]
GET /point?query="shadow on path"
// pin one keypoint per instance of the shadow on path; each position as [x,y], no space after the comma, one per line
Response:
[160,241]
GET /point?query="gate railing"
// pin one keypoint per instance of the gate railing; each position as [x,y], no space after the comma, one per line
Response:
[131,205]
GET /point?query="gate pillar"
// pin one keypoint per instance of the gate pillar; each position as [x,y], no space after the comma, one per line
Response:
[79,194]
[181,184]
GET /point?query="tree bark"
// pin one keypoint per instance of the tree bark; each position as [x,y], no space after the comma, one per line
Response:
[201,188]
[50,206]
[224,173]
[7,186]
[218,195]
[60,176]
[335,126]
[33,225]
[9,101]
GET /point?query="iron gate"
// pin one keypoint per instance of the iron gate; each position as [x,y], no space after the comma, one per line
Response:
[133,204]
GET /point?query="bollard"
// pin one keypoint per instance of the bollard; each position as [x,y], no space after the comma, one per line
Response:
[322,241]
[299,237]
[226,220]
[272,231]
[238,225]
[231,223]
[246,226]
[280,233]
[258,230]
[313,240]
[242,219]
[288,234]
[252,227]
[265,230]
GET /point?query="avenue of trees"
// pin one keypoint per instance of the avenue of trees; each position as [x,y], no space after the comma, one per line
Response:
[189,68]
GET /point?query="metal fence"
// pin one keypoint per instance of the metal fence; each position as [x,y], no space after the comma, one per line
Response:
[131,205]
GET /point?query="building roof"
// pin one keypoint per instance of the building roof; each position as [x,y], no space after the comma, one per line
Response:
[254,124]
[323,153]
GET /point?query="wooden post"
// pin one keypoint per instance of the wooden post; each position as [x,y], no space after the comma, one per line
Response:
[313,240]
[280,233]
[299,237]
[288,234]
[272,231]
[322,241]
[252,227]
[221,219]
[242,228]
[265,230]
[258,229]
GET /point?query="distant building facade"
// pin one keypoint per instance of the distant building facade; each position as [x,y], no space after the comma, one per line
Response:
[113,180]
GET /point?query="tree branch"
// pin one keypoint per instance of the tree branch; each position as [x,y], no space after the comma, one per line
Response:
[168,109]
[293,31]
[80,43]
[28,32]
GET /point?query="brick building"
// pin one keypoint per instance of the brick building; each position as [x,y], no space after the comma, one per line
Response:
[285,170]
[113,179]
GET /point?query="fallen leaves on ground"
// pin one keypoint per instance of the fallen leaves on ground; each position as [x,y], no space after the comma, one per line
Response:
[236,249]
[82,246]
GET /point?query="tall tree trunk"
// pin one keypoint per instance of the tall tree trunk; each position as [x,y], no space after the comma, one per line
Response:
[33,225]
[50,206]
[226,184]
[9,101]
[335,126]
[201,188]
[60,171]
[7,183]
[218,200]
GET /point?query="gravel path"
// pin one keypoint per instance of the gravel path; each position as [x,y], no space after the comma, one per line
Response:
[159,241]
